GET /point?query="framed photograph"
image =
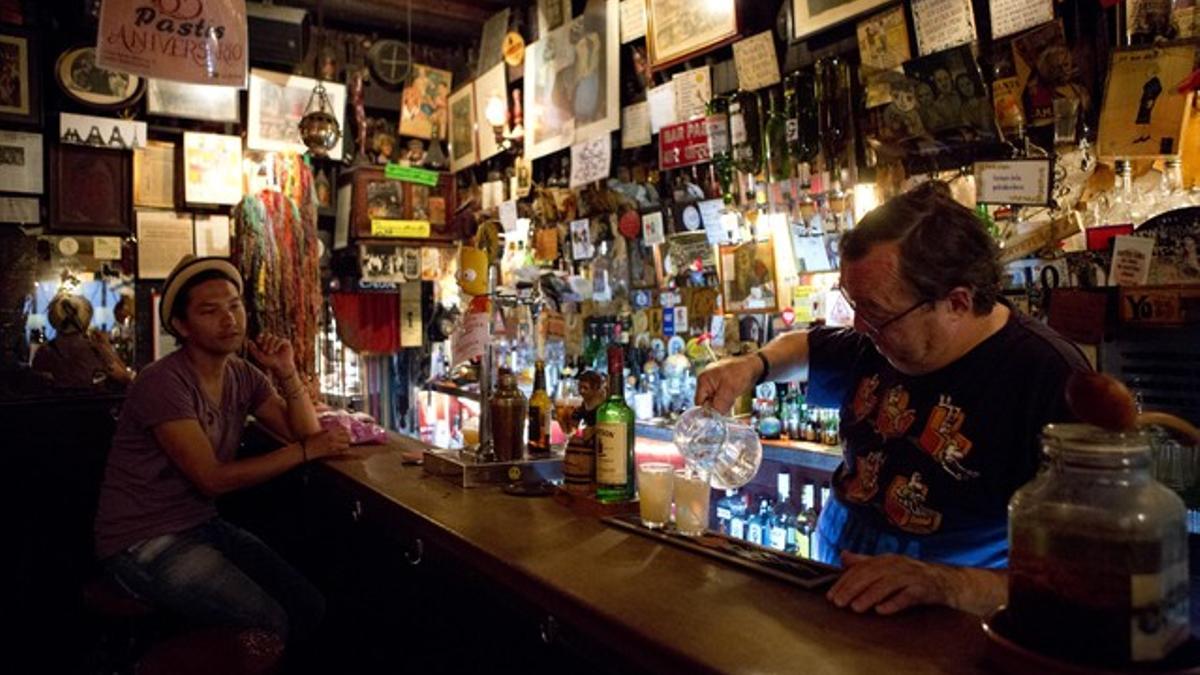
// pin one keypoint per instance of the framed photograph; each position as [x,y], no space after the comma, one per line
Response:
[463,150]
[90,190]
[950,93]
[423,102]
[382,263]
[277,102]
[21,162]
[82,80]
[677,30]
[212,168]
[154,175]
[748,278]
[643,264]
[813,17]
[20,86]
[209,103]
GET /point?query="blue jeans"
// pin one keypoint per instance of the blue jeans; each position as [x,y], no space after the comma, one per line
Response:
[219,574]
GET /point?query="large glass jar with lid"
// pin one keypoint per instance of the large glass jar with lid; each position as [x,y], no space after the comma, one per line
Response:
[1098,562]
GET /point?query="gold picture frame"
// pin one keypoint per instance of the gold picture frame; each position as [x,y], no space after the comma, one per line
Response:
[677,30]
[834,12]
[749,280]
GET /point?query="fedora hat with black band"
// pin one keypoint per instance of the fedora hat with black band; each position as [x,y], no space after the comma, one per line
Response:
[184,272]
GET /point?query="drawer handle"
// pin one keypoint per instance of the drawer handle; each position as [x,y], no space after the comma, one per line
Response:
[549,629]
[414,556]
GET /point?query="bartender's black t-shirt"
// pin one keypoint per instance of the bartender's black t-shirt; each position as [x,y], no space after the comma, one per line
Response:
[931,461]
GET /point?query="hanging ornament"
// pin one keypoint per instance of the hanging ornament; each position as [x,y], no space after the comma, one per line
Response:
[319,129]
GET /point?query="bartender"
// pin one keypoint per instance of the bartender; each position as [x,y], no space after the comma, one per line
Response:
[943,389]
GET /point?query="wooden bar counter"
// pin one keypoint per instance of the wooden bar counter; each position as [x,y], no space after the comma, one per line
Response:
[657,607]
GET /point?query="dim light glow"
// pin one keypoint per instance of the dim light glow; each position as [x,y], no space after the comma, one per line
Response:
[496,112]
[866,198]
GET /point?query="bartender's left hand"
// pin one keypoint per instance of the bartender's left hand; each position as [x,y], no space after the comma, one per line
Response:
[273,353]
[889,583]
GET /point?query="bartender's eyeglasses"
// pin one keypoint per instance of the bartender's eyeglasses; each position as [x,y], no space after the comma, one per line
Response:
[873,328]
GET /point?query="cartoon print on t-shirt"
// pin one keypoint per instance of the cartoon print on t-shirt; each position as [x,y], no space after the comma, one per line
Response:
[943,440]
[895,417]
[905,507]
[865,398]
[863,485]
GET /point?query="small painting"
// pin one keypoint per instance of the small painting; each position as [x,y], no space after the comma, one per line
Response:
[748,277]
[423,102]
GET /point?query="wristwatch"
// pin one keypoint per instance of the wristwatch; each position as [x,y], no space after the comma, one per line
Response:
[762,377]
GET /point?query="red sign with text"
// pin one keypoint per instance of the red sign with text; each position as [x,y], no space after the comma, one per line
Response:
[683,144]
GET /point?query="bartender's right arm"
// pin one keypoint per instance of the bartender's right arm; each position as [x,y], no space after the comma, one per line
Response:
[720,384]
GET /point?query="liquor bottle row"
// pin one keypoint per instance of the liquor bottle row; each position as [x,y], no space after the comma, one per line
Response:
[785,522]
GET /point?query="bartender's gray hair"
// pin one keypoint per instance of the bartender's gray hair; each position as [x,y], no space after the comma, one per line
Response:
[943,244]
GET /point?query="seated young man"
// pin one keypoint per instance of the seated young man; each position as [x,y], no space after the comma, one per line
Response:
[157,528]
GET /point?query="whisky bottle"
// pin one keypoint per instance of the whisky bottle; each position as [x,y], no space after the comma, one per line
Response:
[614,436]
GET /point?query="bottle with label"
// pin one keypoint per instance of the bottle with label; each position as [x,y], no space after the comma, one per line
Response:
[614,436]
[540,411]
[744,135]
[806,522]
[757,528]
[782,535]
[725,508]
[776,152]
[802,114]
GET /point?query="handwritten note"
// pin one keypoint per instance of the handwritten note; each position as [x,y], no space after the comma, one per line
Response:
[693,91]
[756,63]
[1014,16]
[633,20]
[652,228]
[661,100]
[1014,182]
[942,24]
[1131,260]
[635,125]
[591,160]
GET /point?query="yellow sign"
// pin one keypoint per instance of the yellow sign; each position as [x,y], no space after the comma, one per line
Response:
[410,229]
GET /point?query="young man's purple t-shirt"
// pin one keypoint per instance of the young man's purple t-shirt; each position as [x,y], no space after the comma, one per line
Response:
[144,494]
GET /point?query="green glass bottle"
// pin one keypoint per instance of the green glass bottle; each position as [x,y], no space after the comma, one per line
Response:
[775,144]
[614,436]
[745,132]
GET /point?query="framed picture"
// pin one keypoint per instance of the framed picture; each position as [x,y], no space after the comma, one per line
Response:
[1143,114]
[423,102]
[677,30]
[212,168]
[748,278]
[463,150]
[813,17]
[102,132]
[154,175]
[90,190]
[490,86]
[206,102]
[643,264]
[595,37]
[81,79]
[164,238]
[950,93]
[20,88]
[21,162]
[277,102]
[549,117]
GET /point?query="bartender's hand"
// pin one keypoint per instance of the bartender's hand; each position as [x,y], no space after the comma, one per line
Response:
[891,583]
[720,384]
[273,353]
[328,442]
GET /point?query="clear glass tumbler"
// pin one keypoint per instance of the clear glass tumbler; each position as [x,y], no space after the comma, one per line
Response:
[729,451]
[691,501]
[654,480]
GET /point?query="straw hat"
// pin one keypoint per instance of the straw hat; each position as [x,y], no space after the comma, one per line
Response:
[70,312]
[188,268]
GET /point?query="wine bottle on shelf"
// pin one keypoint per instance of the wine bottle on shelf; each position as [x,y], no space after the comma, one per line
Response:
[833,95]
[776,152]
[614,436]
[719,145]
[802,92]
[744,132]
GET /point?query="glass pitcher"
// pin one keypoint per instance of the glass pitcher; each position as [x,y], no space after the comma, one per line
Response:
[729,451]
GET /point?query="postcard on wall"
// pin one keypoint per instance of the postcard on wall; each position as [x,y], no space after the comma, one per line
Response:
[101,132]
[21,162]
[277,101]
[212,166]
[1013,16]
[652,228]
[1143,113]
[212,236]
[942,24]
[883,46]
[423,102]
[635,125]
[591,160]
[582,247]
[633,20]
[693,91]
[154,175]
[490,86]
[164,237]
[661,100]
[756,62]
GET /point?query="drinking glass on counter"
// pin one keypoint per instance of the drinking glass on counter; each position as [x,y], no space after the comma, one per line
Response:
[691,501]
[654,480]
[567,403]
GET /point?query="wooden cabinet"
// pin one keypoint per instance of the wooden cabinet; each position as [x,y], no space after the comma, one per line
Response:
[368,199]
